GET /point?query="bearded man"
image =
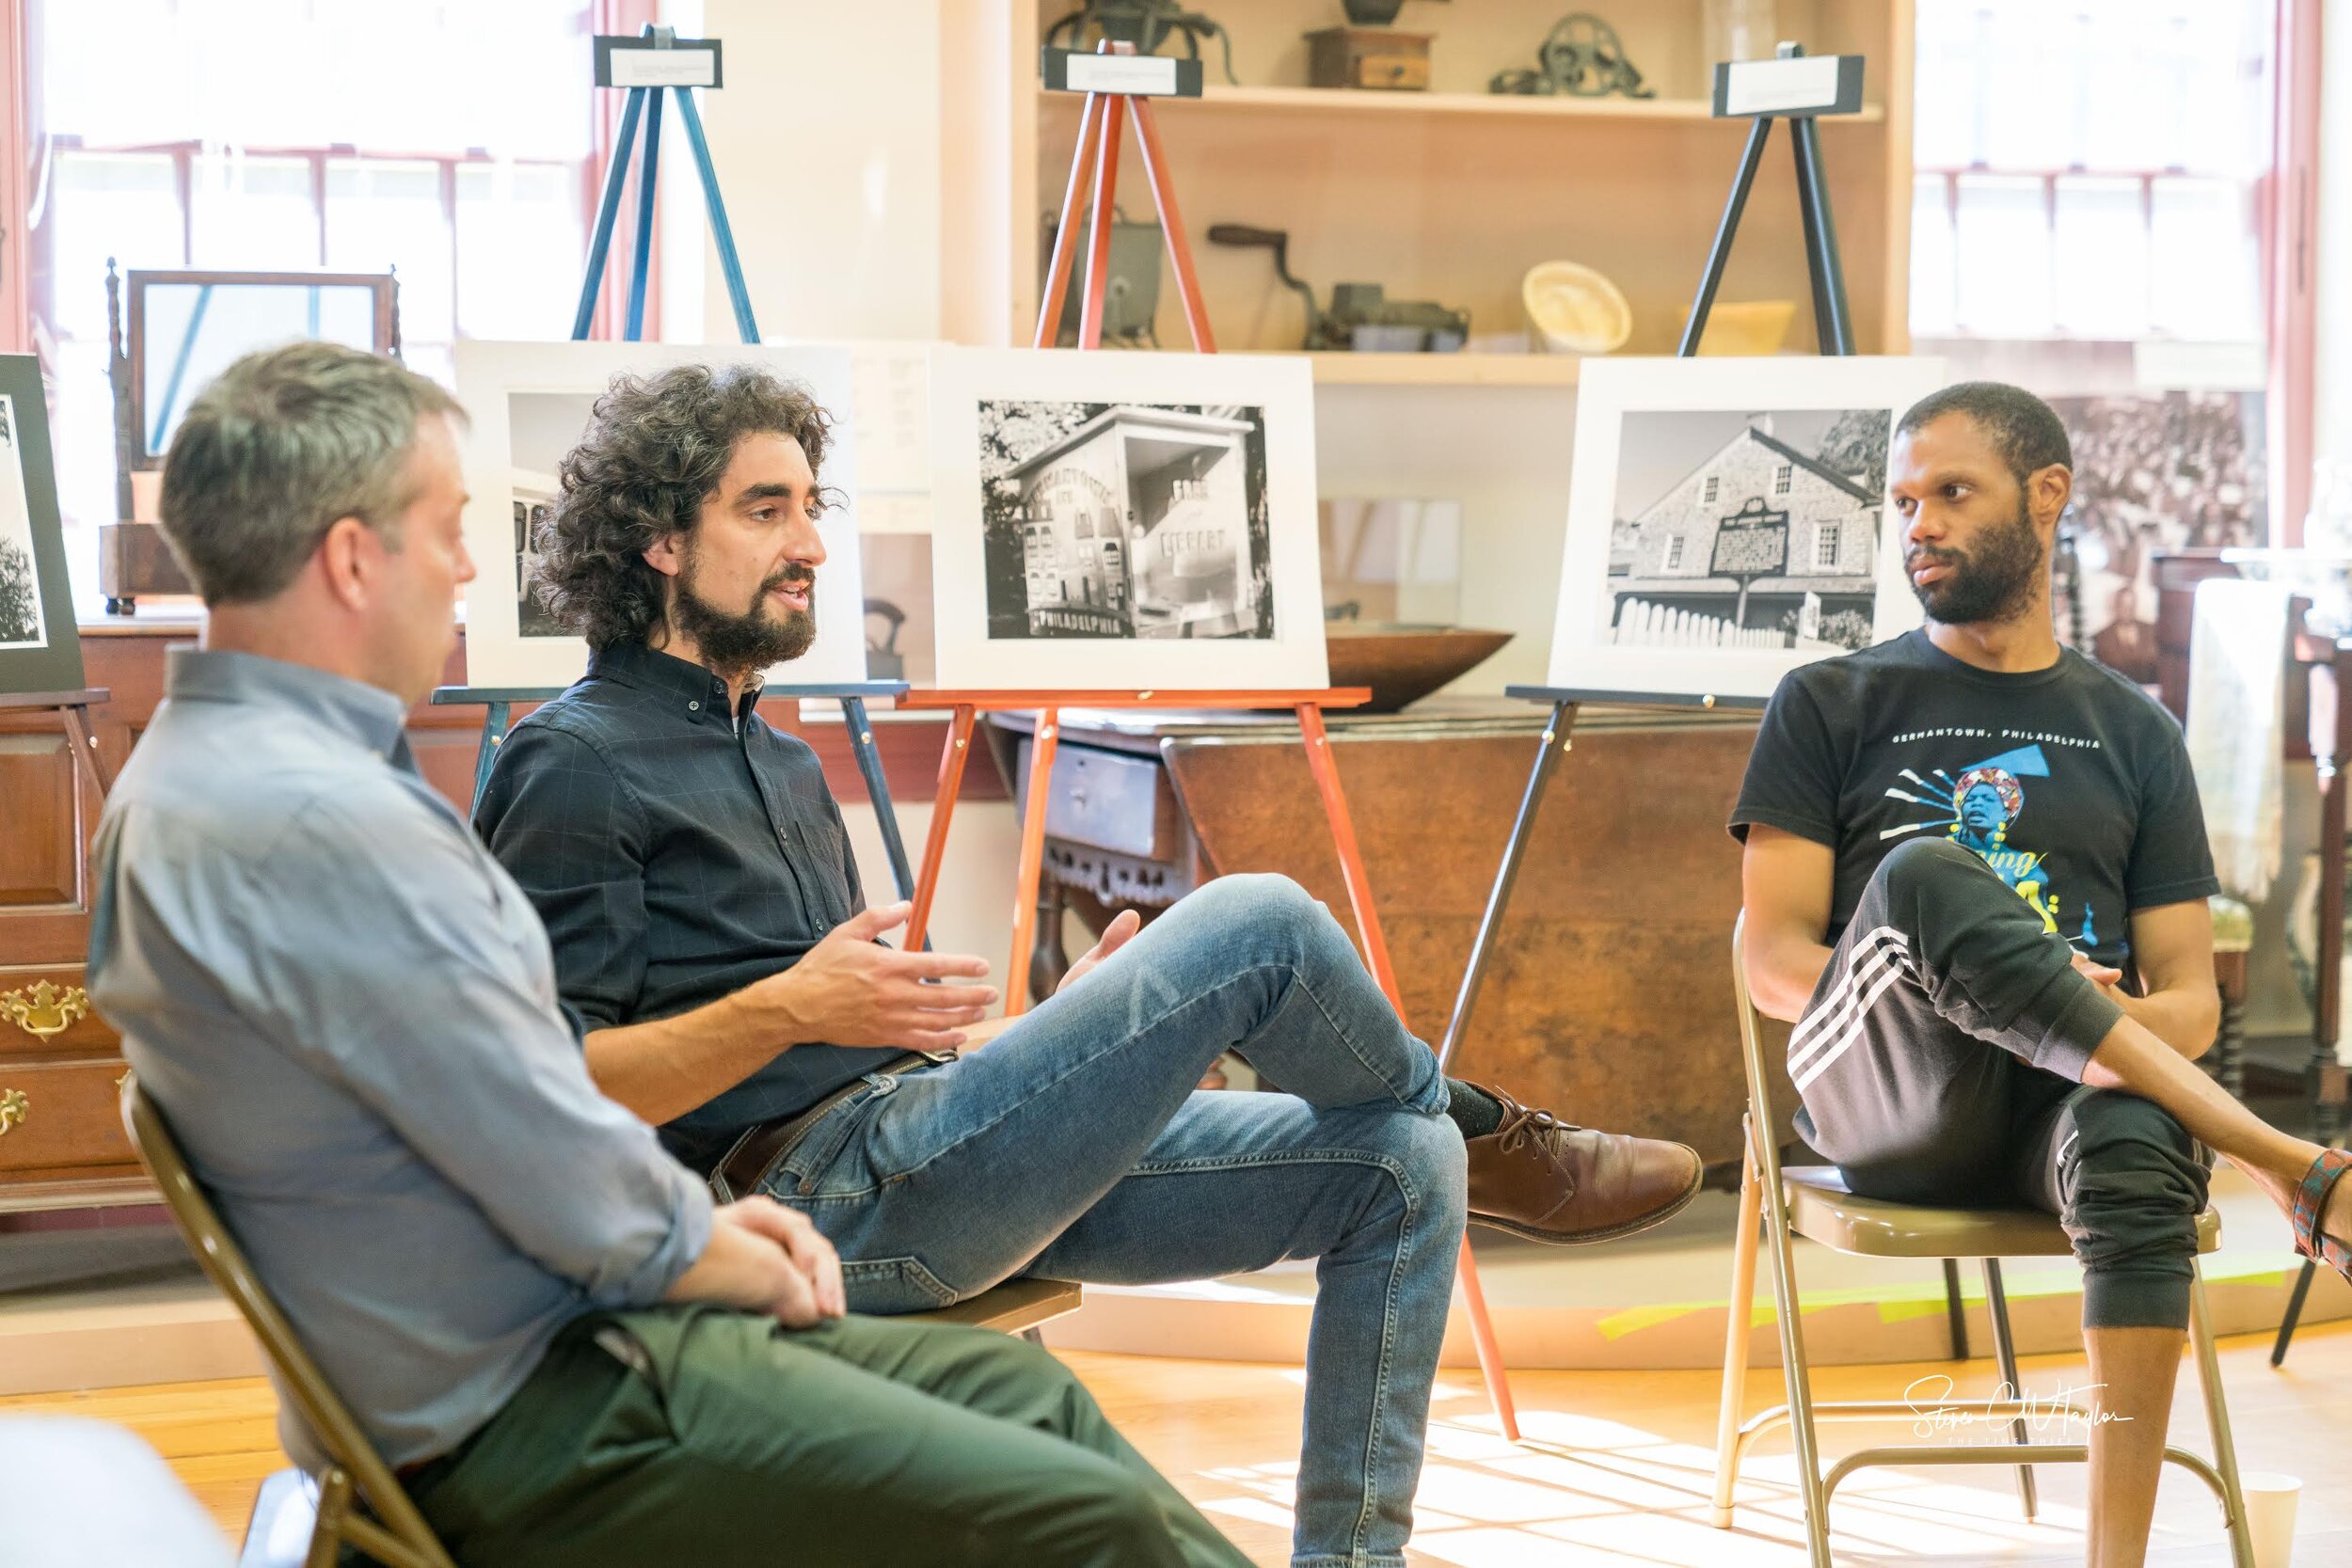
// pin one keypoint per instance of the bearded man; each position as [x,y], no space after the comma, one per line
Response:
[1975,878]
[696,882]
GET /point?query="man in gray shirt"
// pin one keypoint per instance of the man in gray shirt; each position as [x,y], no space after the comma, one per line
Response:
[346,1010]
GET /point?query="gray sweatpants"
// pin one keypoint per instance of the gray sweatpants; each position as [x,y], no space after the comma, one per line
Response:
[1940,1061]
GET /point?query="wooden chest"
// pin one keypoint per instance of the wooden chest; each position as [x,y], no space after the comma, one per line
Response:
[1376,57]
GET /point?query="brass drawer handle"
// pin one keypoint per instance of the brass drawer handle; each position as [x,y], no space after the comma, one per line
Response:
[42,1010]
[14,1107]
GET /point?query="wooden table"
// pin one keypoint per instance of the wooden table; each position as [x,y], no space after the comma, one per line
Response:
[1608,998]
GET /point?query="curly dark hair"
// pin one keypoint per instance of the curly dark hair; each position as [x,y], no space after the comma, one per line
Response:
[655,446]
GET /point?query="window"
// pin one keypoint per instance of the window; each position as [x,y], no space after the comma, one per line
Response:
[1783,476]
[1825,547]
[2090,172]
[1674,552]
[1712,488]
[202,133]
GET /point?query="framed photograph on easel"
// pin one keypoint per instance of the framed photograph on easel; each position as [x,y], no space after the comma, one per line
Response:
[1727,522]
[1107,520]
[40,648]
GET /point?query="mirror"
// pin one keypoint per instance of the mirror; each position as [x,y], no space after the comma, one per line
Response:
[184,328]
[196,330]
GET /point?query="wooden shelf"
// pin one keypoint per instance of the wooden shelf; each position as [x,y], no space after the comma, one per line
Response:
[1446,369]
[1344,101]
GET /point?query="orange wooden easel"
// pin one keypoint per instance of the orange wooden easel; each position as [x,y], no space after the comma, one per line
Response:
[1097,159]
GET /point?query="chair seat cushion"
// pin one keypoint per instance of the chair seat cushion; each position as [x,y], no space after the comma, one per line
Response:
[1822,1209]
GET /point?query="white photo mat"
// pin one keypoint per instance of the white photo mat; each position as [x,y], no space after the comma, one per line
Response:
[1584,655]
[489,374]
[1279,393]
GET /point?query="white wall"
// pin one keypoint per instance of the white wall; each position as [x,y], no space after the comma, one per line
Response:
[826,144]
[1501,452]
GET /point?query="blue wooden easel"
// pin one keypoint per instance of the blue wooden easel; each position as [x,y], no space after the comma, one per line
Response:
[644,104]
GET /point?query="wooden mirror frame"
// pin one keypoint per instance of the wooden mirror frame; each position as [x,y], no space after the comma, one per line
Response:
[126,342]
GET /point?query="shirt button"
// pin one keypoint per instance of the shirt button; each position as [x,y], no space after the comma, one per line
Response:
[693,707]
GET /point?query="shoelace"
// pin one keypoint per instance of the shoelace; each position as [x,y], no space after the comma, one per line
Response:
[1521,1125]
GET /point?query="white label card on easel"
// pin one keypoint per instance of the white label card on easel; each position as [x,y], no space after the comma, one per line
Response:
[1146,73]
[1799,85]
[665,68]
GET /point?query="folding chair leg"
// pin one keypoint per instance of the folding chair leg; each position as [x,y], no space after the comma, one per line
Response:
[2295,1313]
[2005,1350]
[1955,1309]
[1798,1373]
[327,1536]
[1738,1309]
[2217,1420]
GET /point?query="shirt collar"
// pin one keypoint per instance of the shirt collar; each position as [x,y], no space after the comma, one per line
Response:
[367,715]
[699,692]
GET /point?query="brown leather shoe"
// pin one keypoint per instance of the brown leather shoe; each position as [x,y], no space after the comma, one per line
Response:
[1538,1176]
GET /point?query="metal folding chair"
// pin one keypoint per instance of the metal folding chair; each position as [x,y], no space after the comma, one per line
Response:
[1813,1202]
[360,1503]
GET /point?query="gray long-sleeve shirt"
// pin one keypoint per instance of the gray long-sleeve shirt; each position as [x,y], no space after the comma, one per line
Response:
[347,1011]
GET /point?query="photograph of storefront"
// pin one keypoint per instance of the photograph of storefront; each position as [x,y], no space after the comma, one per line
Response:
[1769,540]
[1125,522]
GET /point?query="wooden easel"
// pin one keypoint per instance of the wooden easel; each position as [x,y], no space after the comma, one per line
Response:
[1097,159]
[73,711]
[498,703]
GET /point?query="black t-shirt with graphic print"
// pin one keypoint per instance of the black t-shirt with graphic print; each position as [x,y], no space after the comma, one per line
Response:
[2071,782]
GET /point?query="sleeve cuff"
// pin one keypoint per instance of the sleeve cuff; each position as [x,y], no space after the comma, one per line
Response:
[690,1235]
[1818,831]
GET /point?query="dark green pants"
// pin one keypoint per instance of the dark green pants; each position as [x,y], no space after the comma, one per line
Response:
[864,1443]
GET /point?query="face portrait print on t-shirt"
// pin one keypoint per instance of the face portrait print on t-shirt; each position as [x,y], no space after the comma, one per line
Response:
[1978,805]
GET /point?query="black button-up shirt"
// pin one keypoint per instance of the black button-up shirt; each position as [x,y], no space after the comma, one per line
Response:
[677,851]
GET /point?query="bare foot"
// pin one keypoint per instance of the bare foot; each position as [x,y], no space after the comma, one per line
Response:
[2282,1188]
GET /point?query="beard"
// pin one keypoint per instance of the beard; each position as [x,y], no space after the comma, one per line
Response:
[736,643]
[1994,583]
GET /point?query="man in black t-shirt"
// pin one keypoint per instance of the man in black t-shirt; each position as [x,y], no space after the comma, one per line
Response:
[1975,878]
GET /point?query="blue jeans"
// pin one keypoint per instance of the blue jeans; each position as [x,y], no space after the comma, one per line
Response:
[1074,1147]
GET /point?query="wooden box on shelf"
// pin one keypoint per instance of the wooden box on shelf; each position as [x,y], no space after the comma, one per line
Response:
[1382,58]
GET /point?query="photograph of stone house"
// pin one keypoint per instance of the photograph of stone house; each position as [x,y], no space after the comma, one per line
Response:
[1124,521]
[1747,531]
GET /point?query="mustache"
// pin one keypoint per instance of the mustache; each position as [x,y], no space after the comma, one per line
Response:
[791,575]
[1932,555]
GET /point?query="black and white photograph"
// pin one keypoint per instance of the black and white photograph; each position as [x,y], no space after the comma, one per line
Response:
[902,642]
[542,426]
[1158,510]
[1728,521]
[22,625]
[1748,529]
[2154,471]
[1125,521]
[41,648]
[531,404]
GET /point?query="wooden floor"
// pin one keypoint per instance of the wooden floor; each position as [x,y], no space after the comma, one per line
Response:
[1615,1470]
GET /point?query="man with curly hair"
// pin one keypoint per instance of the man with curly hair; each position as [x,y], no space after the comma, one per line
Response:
[694,875]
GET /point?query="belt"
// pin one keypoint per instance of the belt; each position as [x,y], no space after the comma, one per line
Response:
[745,1166]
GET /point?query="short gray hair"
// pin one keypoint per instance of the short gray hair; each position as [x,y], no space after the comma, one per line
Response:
[285,443]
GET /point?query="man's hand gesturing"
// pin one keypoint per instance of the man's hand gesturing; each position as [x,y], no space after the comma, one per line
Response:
[849,990]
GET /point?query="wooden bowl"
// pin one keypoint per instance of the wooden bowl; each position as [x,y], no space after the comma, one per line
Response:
[1404,663]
